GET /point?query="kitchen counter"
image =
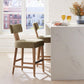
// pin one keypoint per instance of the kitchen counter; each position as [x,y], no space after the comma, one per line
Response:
[67,52]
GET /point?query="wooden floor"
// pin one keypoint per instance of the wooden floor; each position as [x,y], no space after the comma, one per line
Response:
[26,77]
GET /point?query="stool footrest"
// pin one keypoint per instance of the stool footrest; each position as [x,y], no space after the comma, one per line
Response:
[46,56]
[27,63]
[32,63]
[38,61]
[23,67]
[19,59]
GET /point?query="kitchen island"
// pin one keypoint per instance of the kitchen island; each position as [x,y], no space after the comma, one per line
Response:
[67,52]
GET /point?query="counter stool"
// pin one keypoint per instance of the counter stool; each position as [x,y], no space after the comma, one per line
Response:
[46,38]
[33,43]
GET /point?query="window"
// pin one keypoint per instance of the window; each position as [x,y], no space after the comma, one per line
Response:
[12,12]
[34,13]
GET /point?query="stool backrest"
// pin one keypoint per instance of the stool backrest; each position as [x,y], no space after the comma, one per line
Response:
[15,29]
[36,27]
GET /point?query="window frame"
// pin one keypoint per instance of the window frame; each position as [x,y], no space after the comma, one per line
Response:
[23,13]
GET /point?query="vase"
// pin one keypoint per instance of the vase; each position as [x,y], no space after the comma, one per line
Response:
[80,19]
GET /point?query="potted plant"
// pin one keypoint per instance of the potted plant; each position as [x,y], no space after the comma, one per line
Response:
[78,9]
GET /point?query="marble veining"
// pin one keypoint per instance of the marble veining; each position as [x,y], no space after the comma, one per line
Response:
[67,53]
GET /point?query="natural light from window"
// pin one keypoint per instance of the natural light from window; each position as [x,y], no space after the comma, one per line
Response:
[12,10]
[35,13]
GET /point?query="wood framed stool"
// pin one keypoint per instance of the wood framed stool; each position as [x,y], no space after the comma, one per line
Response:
[46,38]
[31,43]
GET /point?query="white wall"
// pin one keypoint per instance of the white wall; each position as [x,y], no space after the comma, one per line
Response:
[59,7]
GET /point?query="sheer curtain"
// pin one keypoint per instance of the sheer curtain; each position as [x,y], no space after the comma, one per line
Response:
[1,15]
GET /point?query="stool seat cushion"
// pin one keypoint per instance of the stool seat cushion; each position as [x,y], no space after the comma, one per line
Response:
[46,38]
[30,43]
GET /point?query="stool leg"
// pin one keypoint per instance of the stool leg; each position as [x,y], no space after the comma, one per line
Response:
[34,61]
[22,53]
[42,54]
[14,60]
[38,55]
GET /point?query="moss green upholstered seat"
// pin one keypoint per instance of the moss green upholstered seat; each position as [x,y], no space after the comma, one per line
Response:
[31,43]
[46,38]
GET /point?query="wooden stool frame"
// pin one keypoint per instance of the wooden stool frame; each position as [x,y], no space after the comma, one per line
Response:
[22,58]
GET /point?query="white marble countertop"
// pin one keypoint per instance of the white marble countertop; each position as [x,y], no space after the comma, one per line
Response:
[50,25]
[67,52]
